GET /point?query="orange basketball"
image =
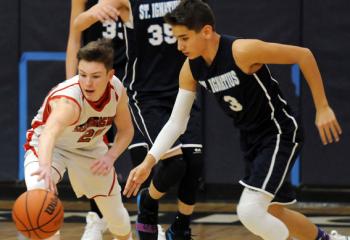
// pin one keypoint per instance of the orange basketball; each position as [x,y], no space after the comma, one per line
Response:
[38,214]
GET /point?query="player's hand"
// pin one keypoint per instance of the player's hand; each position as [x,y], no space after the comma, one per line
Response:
[138,175]
[103,12]
[103,165]
[328,126]
[44,173]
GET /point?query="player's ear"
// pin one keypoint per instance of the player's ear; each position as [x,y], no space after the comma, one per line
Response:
[207,31]
[110,73]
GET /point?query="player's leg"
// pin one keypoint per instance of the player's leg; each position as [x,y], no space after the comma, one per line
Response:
[167,174]
[192,154]
[299,226]
[116,216]
[31,164]
[180,228]
[252,212]
[149,116]
[95,224]
[270,157]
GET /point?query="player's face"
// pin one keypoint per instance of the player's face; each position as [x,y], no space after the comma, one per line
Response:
[93,79]
[189,42]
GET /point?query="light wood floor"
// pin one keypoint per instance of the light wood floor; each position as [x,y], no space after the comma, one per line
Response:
[72,230]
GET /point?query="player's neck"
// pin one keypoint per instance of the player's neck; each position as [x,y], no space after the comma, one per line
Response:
[211,49]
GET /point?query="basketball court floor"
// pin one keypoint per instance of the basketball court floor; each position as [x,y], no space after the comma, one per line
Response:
[212,221]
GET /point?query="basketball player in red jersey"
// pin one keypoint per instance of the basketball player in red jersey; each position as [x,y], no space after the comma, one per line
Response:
[67,134]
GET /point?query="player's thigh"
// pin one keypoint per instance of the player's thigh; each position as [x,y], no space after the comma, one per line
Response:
[31,164]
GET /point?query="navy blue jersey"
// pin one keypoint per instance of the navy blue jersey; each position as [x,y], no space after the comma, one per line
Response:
[110,30]
[252,100]
[155,62]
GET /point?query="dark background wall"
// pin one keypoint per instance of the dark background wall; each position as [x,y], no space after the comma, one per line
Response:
[323,27]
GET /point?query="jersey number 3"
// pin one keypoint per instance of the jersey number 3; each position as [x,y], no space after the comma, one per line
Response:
[161,34]
[234,104]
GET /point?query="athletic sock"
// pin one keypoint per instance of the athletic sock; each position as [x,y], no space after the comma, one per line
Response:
[182,222]
[322,235]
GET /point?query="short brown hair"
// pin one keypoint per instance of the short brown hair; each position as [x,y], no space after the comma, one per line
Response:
[98,51]
[193,14]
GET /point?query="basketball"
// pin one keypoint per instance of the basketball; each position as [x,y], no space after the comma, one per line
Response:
[38,214]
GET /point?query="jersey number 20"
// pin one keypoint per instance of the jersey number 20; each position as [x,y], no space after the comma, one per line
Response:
[161,34]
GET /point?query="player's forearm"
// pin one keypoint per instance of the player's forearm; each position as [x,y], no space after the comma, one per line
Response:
[47,142]
[84,21]
[166,138]
[71,59]
[71,67]
[121,141]
[176,124]
[313,77]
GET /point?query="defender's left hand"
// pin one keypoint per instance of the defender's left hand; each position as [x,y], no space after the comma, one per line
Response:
[102,166]
[328,126]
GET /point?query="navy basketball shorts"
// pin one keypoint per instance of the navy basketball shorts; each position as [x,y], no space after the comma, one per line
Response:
[270,160]
[150,115]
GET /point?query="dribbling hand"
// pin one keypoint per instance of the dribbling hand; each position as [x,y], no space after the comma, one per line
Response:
[44,173]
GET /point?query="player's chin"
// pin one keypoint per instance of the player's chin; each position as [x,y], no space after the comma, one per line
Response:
[191,56]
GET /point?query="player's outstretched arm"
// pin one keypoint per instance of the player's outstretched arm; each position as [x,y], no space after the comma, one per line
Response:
[250,54]
[64,112]
[171,131]
[125,133]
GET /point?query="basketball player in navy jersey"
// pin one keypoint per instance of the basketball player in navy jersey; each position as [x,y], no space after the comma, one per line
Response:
[107,28]
[151,81]
[235,72]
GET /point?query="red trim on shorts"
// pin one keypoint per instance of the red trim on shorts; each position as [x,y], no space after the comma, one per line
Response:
[98,196]
[110,191]
[59,174]
[113,183]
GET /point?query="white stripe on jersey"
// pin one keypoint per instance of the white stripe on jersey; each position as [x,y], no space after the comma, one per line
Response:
[141,117]
[287,167]
[278,135]
[126,53]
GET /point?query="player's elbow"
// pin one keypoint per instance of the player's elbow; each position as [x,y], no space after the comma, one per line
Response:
[306,56]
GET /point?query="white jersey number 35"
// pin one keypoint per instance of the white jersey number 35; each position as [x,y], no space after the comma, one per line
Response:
[234,104]
[161,34]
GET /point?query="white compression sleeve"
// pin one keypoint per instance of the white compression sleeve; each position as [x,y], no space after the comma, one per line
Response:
[176,124]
